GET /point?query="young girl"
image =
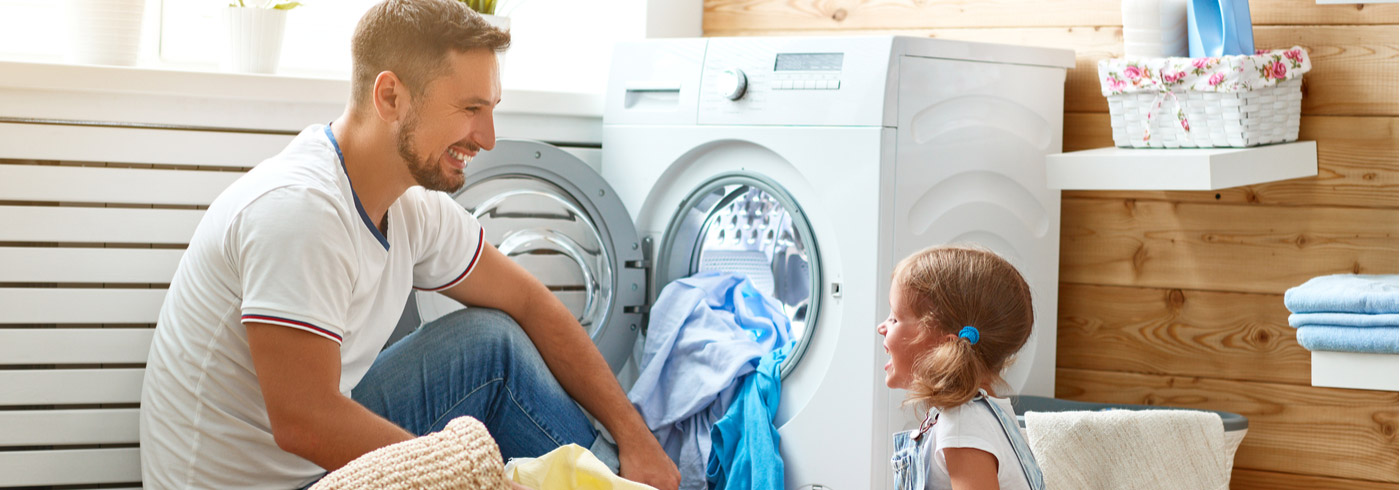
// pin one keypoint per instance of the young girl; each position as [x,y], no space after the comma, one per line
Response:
[957,314]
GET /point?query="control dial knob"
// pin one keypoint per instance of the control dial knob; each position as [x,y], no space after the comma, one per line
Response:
[733,83]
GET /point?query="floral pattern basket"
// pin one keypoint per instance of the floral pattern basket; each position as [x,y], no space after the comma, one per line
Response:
[1227,101]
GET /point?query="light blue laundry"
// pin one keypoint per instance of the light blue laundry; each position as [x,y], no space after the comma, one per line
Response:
[705,332]
[1346,293]
[1377,340]
[1344,320]
[744,452]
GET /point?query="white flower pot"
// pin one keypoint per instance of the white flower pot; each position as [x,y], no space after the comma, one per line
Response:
[103,32]
[503,23]
[254,39]
[498,21]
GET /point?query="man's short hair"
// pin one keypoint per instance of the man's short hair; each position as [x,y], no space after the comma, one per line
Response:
[412,38]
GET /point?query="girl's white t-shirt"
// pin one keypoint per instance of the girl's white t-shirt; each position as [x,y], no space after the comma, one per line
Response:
[973,425]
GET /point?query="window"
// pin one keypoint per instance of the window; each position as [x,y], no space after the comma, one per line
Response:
[557,45]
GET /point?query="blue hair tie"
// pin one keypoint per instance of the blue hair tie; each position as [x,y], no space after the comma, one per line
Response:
[970,333]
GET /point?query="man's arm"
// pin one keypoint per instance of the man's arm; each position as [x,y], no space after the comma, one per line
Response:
[299,373]
[499,283]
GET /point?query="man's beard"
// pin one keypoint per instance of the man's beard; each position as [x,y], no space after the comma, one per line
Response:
[426,172]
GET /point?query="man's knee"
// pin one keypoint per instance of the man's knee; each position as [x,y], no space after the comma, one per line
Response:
[480,325]
[482,333]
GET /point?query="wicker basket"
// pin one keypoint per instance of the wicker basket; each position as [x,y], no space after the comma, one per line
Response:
[1249,108]
[1239,119]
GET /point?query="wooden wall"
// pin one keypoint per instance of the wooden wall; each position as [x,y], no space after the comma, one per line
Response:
[1176,298]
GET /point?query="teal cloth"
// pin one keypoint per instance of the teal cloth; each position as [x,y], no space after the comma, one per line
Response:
[706,331]
[744,444]
[1374,340]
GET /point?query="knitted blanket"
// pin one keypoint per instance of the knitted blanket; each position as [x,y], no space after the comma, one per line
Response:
[461,456]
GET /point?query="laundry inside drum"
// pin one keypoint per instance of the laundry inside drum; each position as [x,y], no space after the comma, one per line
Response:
[750,231]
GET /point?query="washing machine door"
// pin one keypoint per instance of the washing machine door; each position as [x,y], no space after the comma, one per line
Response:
[554,215]
[745,222]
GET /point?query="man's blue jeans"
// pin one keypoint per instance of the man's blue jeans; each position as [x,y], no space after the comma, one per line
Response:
[476,362]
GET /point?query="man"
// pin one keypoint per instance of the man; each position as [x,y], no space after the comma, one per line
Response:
[266,370]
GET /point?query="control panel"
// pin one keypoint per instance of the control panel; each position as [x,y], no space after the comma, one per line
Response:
[794,81]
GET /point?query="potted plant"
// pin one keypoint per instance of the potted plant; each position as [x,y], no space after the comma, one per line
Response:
[255,30]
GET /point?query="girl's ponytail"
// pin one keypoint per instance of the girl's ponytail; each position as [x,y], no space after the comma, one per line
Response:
[948,376]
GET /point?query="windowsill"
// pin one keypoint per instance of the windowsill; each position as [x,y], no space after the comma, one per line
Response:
[206,99]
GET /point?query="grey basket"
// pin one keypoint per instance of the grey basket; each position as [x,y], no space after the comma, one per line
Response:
[1217,119]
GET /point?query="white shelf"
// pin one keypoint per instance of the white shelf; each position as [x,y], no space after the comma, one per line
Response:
[1356,370]
[1184,169]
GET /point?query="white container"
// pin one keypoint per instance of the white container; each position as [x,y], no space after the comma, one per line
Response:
[1154,28]
[254,39]
[103,32]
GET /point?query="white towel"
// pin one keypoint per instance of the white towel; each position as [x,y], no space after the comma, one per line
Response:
[1138,449]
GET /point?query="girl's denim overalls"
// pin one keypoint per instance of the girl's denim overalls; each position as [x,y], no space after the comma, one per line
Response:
[911,468]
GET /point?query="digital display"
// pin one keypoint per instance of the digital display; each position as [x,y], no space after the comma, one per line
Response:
[808,62]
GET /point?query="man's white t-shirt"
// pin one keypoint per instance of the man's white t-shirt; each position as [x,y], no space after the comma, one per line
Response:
[287,244]
[972,425]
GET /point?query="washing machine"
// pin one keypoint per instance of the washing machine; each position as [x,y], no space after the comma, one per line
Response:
[813,165]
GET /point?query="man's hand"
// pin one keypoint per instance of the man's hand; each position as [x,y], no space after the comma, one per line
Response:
[497,282]
[645,462]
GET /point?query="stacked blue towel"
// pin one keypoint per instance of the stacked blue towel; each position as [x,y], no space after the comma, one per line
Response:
[1347,313]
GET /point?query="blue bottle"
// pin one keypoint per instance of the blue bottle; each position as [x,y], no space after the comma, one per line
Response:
[1219,28]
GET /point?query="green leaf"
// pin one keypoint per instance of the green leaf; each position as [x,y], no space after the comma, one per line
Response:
[285,5]
[487,7]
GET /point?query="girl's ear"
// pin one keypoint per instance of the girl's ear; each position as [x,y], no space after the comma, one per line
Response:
[938,340]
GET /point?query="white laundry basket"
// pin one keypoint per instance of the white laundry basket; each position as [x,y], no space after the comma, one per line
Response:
[1235,425]
[1228,101]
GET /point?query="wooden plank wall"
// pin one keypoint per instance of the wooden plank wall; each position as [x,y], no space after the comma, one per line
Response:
[1176,298]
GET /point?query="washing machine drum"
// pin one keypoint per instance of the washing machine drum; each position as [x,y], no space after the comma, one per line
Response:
[555,216]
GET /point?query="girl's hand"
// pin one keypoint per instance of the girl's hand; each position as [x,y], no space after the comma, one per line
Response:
[517,486]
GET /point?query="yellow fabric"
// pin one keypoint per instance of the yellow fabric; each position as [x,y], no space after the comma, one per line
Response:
[569,467]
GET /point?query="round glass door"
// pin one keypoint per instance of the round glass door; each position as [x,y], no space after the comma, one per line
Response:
[555,216]
[540,226]
[747,224]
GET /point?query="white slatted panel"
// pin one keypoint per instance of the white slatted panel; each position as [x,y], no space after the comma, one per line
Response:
[137,145]
[111,185]
[74,345]
[38,305]
[70,467]
[70,386]
[69,427]
[552,269]
[97,225]
[90,265]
